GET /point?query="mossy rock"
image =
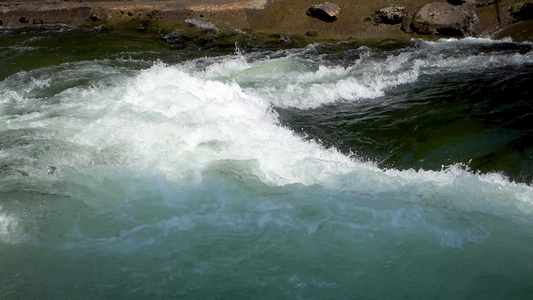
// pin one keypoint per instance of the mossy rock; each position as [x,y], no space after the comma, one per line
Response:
[522,10]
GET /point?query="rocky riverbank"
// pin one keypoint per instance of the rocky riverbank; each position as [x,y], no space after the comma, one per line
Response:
[340,20]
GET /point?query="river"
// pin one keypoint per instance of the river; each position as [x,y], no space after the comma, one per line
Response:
[135,167]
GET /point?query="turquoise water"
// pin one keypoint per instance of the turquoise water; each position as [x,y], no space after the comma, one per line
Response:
[134,167]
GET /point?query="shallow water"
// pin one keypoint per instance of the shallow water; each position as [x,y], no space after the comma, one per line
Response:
[137,168]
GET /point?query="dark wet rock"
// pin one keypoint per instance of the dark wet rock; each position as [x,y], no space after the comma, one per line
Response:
[94,18]
[456,2]
[477,3]
[440,18]
[390,15]
[1,22]
[326,12]
[406,23]
[23,20]
[522,10]
[51,170]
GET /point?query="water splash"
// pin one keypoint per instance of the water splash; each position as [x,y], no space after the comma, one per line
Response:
[180,180]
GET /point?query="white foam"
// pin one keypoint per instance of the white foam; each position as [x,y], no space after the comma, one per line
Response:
[182,122]
[201,24]
[292,82]
[9,229]
[187,168]
[465,41]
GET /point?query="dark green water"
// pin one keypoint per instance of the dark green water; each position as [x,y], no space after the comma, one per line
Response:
[227,167]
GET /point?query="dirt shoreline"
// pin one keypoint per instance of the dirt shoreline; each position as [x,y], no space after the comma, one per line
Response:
[356,20]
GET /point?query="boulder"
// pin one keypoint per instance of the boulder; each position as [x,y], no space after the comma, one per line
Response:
[444,19]
[326,12]
[522,11]
[390,15]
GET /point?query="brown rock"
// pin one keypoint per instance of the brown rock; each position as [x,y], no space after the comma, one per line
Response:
[326,12]
[440,18]
[390,15]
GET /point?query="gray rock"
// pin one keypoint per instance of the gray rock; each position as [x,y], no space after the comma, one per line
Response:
[326,12]
[440,18]
[390,15]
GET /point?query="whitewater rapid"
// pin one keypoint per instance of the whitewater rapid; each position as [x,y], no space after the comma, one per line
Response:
[100,159]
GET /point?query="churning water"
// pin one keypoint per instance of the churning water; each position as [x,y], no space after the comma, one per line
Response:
[134,169]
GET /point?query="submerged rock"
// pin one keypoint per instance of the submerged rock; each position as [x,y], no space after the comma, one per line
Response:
[444,19]
[326,12]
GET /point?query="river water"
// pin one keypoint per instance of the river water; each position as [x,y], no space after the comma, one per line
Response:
[167,167]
